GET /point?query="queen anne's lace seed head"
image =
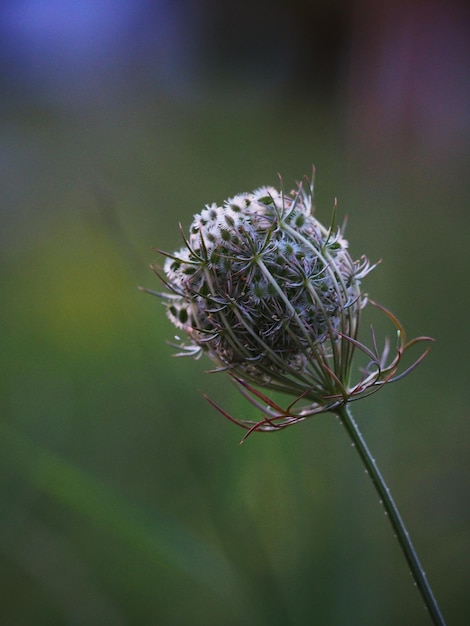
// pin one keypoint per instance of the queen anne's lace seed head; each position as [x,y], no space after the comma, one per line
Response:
[262,284]
[274,298]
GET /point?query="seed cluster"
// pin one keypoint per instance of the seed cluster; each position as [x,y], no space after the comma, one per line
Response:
[262,286]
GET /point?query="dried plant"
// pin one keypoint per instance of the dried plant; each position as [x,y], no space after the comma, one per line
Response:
[275,299]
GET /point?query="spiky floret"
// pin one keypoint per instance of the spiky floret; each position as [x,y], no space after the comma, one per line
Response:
[275,299]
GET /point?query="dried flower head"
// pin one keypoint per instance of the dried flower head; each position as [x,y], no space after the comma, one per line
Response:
[274,298]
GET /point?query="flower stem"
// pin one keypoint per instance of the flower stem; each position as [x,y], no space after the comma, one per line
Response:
[345,415]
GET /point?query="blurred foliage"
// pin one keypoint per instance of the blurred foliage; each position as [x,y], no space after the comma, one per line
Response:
[124,497]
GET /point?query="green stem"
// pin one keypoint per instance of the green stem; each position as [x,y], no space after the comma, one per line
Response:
[345,415]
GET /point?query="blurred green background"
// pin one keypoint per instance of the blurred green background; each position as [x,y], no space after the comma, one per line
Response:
[124,497]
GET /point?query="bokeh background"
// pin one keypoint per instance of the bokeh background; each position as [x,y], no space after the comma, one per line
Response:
[124,497]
